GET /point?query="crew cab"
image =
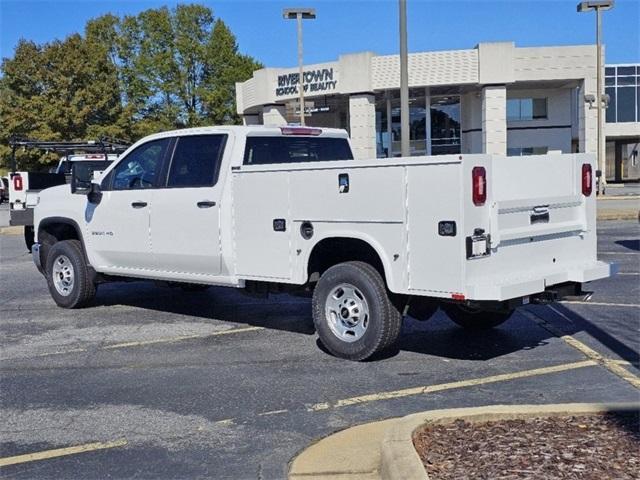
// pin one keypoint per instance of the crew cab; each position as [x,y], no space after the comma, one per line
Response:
[288,209]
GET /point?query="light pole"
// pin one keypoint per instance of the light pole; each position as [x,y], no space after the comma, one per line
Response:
[405,146]
[299,14]
[598,6]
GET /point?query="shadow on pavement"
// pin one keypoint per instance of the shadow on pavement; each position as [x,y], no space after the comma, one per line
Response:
[436,337]
[579,323]
[278,312]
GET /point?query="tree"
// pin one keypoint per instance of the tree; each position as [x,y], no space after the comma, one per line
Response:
[62,90]
[124,78]
[179,68]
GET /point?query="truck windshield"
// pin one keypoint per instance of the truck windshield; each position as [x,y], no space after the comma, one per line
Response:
[268,150]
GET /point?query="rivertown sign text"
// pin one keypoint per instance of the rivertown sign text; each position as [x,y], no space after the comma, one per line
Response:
[314,81]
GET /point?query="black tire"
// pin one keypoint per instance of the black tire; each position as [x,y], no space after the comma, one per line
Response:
[383,322]
[475,319]
[29,237]
[81,291]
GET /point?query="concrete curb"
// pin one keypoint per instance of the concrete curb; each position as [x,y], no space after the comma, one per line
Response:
[399,458]
[11,230]
[618,215]
[619,197]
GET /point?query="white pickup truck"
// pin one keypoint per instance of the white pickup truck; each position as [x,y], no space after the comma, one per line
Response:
[283,209]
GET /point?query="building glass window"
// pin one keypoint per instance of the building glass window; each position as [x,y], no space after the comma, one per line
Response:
[443,118]
[626,104]
[526,108]
[611,108]
[626,70]
[520,151]
[623,87]
[445,125]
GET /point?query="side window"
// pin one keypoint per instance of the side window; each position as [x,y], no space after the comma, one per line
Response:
[268,150]
[140,168]
[196,161]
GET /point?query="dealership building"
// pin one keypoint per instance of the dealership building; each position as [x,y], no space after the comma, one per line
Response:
[494,98]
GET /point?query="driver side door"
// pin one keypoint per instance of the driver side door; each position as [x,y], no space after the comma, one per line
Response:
[117,228]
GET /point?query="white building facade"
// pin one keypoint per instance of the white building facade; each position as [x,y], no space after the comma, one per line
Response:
[494,98]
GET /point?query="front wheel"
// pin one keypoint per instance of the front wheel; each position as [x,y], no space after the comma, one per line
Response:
[475,318]
[67,275]
[352,311]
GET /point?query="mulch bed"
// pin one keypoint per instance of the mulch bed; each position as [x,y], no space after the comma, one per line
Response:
[572,447]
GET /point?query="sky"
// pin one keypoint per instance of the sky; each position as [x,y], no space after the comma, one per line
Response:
[353,26]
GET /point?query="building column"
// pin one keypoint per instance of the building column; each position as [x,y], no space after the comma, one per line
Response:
[274,115]
[362,122]
[587,119]
[494,119]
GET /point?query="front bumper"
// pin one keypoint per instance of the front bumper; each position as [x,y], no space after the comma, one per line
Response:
[506,288]
[37,260]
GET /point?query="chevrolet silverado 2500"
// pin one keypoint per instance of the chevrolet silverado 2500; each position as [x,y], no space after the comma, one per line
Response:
[284,209]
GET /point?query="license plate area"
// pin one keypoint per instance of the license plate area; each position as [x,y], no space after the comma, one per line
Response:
[539,218]
[478,246]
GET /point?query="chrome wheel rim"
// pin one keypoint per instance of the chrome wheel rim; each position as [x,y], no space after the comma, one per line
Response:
[63,275]
[347,312]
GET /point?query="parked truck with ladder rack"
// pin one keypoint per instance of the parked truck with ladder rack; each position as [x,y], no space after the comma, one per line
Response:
[77,163]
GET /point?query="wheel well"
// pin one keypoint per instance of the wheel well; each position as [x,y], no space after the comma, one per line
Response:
[56,231]
[331,251]
[53,232]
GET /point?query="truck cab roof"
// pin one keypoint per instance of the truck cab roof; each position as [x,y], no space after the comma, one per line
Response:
[257,130]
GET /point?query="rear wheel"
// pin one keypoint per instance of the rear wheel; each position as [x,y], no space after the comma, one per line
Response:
[475,318]
[67,275]
[352,311]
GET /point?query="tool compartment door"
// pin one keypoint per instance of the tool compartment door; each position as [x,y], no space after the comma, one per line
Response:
[262,224]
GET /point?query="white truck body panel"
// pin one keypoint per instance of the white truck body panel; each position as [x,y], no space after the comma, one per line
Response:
[394,205]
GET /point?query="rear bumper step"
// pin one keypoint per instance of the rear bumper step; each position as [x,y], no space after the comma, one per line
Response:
[539,283]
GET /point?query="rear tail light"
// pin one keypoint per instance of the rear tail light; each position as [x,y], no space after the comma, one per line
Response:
[479,185]
[587,180]
[17,183]
[300,131]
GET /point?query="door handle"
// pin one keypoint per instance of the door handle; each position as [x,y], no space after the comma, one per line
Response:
[139,204]
[206,204]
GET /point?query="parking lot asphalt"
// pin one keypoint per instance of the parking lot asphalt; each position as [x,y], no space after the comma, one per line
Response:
[154,382]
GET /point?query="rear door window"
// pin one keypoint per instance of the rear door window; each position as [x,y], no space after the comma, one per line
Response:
[196,161]
[268,150]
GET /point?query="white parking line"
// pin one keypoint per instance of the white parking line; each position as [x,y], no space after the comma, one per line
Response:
[156,341]
[60,452]
[618,253]
[180,338]
[613,366]
[421,390]
[602,304]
